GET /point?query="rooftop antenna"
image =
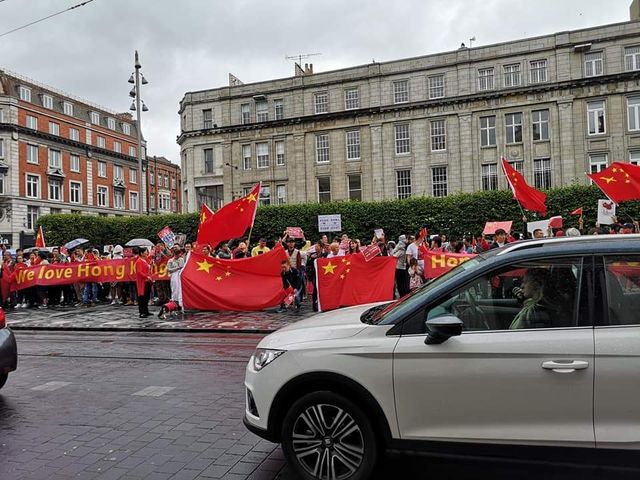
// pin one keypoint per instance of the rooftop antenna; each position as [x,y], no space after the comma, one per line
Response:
[471,40]
[298,58]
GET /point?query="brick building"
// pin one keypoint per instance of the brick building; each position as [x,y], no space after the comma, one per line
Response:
[164,186]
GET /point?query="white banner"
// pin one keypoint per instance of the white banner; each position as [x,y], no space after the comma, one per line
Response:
[330,223]
[606,210]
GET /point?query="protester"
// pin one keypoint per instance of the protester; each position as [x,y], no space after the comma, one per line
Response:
[334,250]
[224,252]
[402,276]
[414,251]
[174,267]
[241,251]
[290,282]
[7,279]
[260,248]
[143,281]
[116,287]
[500,239]
[415,274]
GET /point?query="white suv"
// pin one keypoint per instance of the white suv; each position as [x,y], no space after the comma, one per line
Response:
[527,351]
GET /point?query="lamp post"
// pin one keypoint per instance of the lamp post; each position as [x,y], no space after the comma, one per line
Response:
[137,79]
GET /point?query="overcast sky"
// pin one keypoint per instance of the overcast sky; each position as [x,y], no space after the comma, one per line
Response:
[193,44]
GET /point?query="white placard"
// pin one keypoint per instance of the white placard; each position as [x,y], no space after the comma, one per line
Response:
[330,223]
[606,210]
[540,224]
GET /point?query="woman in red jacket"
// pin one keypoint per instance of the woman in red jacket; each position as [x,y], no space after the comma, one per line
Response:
[143,282]
[7,278]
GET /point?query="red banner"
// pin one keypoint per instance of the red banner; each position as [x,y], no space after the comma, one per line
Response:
[437,263]
[121,270]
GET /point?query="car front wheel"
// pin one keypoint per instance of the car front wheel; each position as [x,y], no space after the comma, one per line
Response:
[327,437]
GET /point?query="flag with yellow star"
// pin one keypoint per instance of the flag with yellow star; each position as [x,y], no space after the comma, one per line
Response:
[205,213]
[247,284]
[352,280]
[529,197]
[40,243]
[230,221]
[620,182]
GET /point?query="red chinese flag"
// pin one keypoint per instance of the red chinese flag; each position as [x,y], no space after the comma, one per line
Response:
[40,238]
[247,284]
[351,280]
[577,211]
[231,221]
[619,182]
[205,213]
[529,197]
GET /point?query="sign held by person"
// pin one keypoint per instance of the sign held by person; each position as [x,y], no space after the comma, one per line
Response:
[330,223]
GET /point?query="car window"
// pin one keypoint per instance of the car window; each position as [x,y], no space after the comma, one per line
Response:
[623,289]
[532,294]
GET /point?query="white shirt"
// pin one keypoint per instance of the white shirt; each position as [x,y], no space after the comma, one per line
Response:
[412,251]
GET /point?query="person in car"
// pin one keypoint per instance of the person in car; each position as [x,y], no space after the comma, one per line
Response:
[536,292]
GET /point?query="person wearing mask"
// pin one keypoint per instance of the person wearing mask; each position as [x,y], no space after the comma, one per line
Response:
[174,267]
[143,281]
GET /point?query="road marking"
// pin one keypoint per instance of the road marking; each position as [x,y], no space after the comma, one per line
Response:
[51,386]
[153,391]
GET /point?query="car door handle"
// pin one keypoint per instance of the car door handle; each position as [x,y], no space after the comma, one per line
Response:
[568,366]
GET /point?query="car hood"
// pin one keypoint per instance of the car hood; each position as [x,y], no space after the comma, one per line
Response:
[341,323]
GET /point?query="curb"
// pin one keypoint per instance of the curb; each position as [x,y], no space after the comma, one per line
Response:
[261,331]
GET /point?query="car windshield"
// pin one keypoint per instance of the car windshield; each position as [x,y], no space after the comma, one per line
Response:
[385,314]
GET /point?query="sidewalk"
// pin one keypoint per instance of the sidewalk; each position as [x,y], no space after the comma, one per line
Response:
[106,317]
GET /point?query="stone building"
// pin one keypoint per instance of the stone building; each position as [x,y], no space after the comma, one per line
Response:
[556,106]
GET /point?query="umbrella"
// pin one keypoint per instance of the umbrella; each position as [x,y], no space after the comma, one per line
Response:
[139,242]
[75,243]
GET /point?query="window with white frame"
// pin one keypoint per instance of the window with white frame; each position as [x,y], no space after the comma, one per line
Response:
[102,169]
[324,189]
[596,117]
[55,189]
[402,138]
[262,111]
[511,75]
[632,58]
[542,172]
[102,196]
[321,102]
[351,98]
[54,128]
[32,216]
[132,151]
[118,172]
[118,199]
[281,194]
[117,147]
[265,195]
[634,157]
[133,175]
[32,154]
[354,185]
[633,113]
[133,200]
[25,93]
[322,148]
[208,160]
[279,153]
[166,181]
[111,123]
[95,118]
[403,183]
[174,205]
[436,86]
[353,144]
[538,71]
[47,101]
[55,159]
[540,124]
[67,108]
[490,176]
[439,184]
[438,135]
[88,136]
[262,155]
[278,109]
[126,129]
[152,178]
[33,186]
[245,113]
[513,126]
[74,163]
[165,202]
[1,148]
[74,134]
[485,79]
[401,91]
[159,180]
[488,131]
[32,122]
[518,165]
[246,157]
[598,162]
[593,64]
[101,142]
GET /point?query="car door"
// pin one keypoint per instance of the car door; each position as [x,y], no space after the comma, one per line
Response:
[617,349]
[517,382]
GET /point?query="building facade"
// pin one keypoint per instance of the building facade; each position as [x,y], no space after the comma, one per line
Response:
[164,186]
[555,106]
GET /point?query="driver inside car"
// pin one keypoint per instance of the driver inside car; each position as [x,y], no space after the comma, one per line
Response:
[538,300]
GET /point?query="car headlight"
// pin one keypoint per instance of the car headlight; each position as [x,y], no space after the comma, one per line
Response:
[264,357]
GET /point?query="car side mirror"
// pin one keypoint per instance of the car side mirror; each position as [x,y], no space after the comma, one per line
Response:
[441,328]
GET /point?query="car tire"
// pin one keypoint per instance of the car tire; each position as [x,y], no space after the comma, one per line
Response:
[325,436]
[3,379]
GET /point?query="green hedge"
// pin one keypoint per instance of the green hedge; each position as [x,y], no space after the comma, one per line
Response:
[455,215]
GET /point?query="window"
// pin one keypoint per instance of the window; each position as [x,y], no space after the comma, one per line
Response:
[102,169]
[54,128]
[598,162]
[355,187]
[74,134]
[74,163]
[262,154]
[552,288]
[322,148]
[262,111]
[47,101]
[403,141]
[279,153]
[592,64]
[118,199]
[166,181]
[102,196]
[488,131]
[439,181]
[485,79]
[173,183]
[403,183]
[278,109]
[540,124]
[538,71]
[95,118]
[518,165]
[246,157]
[1,148]
[32,154]
[542,172]
[132,152]
[324,189]
[126,129]
[159,180]
[401,91]
[281,194]
[101,142]
[634,158]
[490,176]
[67,108]
[631,58]
[152,178]
[633,113]
[32,216]
[75,192]
[351,99]
[55,189]
[321,102]
[164,202]
[436,86]
[111,123]
[513,124]
[438,135]
[3,179]
[245,110]
[25,93]
[623,289]
[596,117]
[133,200]
[265,195]
[88,137]
[208,160]
[118,172]
[353,145]
[117,147]
[55,159]
[33,186]
[174,205]
[511,75]
[32,122]
[133,175]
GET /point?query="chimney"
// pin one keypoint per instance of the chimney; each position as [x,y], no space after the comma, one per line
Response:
[634,10]
[308,68]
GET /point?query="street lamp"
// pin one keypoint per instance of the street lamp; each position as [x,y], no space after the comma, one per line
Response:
[137,79]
